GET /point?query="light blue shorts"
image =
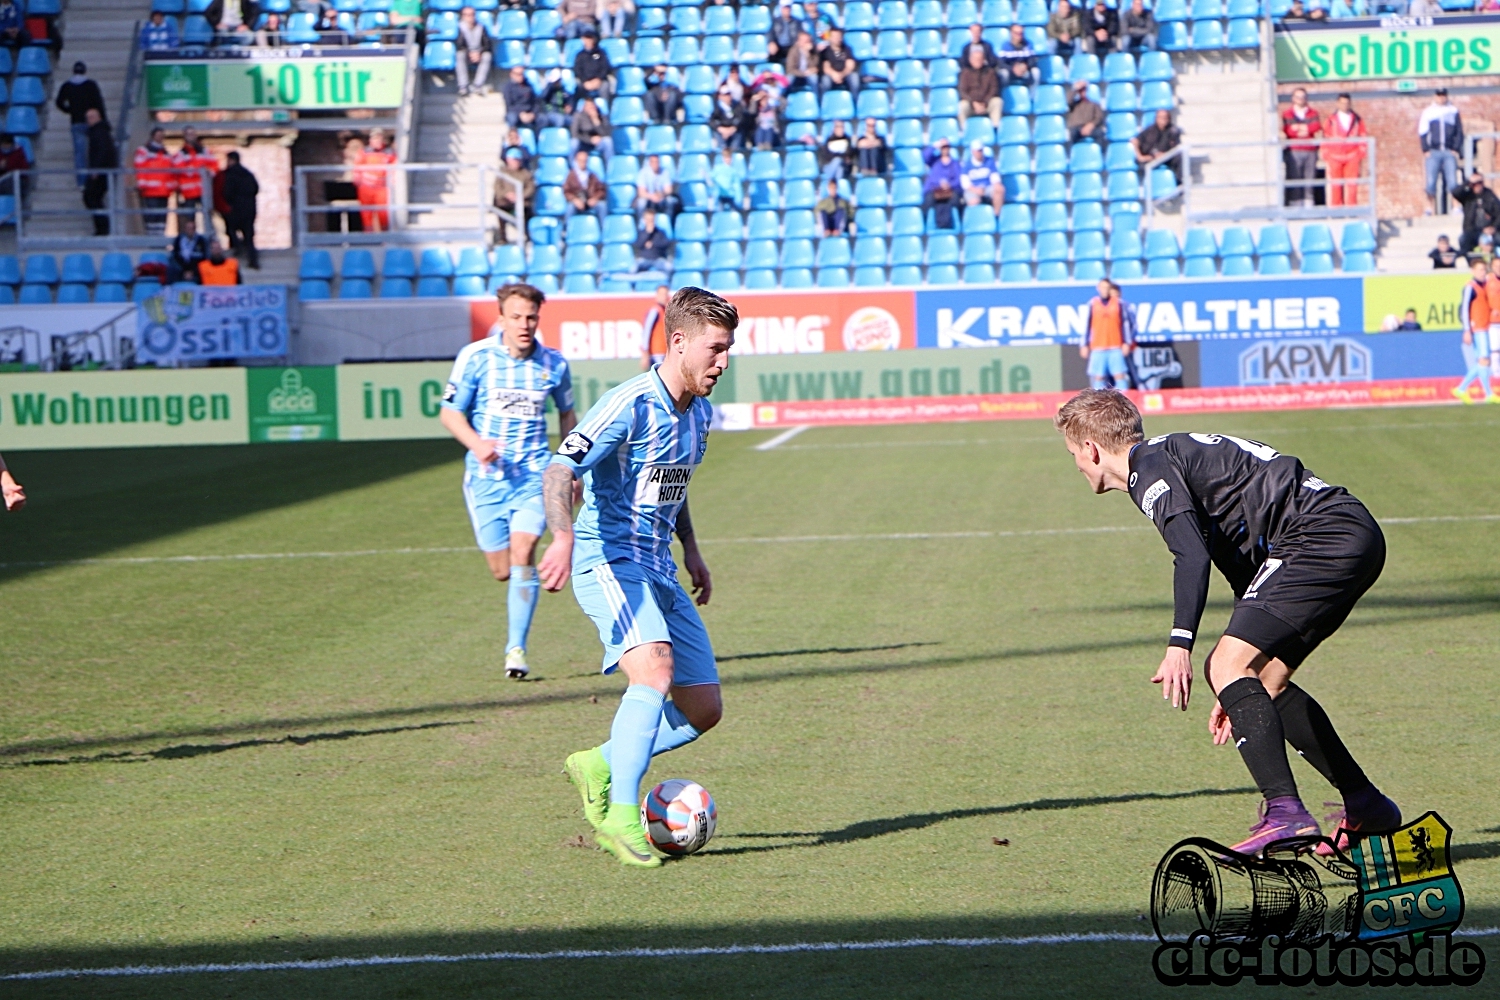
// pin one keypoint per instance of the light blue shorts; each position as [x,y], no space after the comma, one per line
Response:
[1107,361]
[632,606]
[1484,338]
[497,507]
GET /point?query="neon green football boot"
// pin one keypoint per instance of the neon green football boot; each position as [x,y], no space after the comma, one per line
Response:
[589,773]
[622,835]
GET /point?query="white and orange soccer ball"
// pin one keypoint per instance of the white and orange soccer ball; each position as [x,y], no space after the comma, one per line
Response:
[679,816]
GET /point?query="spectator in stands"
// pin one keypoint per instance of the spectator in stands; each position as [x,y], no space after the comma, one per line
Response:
[1101,26]
[403,14]
[102,157]
[1299,12]
[556,102]
[1409,323]
[475,55]
[583,190]
[654,189]
[784,31]
[1341,9]
[268,35]
[980,178]
[837,66]
[192,161]
[653,251]
[872,150]
[592,69]
[1085,118]
[836,155]
[802,65]
[513,170]
[13,158]
[663,96]
[232,20]
[819,23]
[1300,123]
[13,33]
[1424,8]
[592,131]
[237,188]
[834,212]
[1138,29]
[614,17]
[977,40]
[941,188]
[978,89]
[1344,161]
[330,29]
[728,177]
[577,19]
[1017,59]
[159,33]
[1441,130]
[728,120]
[1481,209]
[185,251]
[767,106]
[1161,136]
[1064,29]
[219,268]
[77,94]
[521,104]
[371,183]
[155,182]
[1443,255]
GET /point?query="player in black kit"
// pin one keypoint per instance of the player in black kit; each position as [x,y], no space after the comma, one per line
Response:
[1297,552]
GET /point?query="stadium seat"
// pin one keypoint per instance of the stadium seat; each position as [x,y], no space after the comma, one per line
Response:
[724,280]
[1088,245]
[869,276]
[106,291]
[1015,248]
[143,290]
[113,267]
[833,277]
[1015,101]
[1161,244]
[760,279]
[1244,33]
[41,269]
[438,263]
[1085,157]
[1172,36]
[467,285]
[979,248]
[1200,267]
[35,295]
[579,283]
[1238,265]
[398,263]
[1050,187]
[617,257]
[1087,186]
[1357,236]
[797,277]
[315,265]
[1276,264]
[837,105]
[78,268]
[1121,126]
[797,253]
[1125,243]
[1274,239]
[1207,36]
[906,274]
[431,287]
[1052,218]
[543,229]
[1126,269]
[1316,238]
[869,251]
[1236,242]
[1317,263]
[395,288]
[1156,95]
[1051,99]
[762,254]
[996,13]
[1163,267]
[1156,66]
[725,255]
[1119,67]
[942,249]
[979,274]
[73,293]
[1358,261]
[943,274]
[757,19]
[22,120]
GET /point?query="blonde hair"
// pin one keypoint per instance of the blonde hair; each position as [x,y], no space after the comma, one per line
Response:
[693,309]
[1103,416]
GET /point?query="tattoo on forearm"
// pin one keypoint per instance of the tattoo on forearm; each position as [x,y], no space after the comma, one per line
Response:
[684,523]
[557,498]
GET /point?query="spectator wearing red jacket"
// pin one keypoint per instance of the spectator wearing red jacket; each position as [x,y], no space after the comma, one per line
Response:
[192,162]
[1345,160]
[155,181]
[1300,122]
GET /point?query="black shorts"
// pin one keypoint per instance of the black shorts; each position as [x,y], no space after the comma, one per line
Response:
[1319,568]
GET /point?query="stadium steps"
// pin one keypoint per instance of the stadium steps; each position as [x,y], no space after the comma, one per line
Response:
[101,34]
[452,129]
[1225,98]
[1405,243]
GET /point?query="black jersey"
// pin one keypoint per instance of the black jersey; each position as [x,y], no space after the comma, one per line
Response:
[1242,496]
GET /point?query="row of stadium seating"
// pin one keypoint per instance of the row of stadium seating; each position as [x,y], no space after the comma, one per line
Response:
[24,92]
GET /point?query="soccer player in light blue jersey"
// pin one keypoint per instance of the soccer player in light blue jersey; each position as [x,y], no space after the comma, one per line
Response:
[495,405]
[636,451]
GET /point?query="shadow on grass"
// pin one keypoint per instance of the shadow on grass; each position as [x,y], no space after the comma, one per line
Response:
[871,828]
[184,750]
[829,649]
[133,495]
[953,957]
[1475,852]
[554,697]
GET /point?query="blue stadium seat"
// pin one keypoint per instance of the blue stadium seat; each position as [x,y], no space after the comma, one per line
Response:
[873,104]
[545,230]
[141,290]
[909,103]
[1086,156]
[833,277]
[760,279]
[891,45]
[1238,265]
[1157,95]
[997,14]
[113,267]
[979,219]
[1200,267]
[942,248]
[762,254]
[1172,36]
[1050,187]
[617,257]
[1017,188]
[1203,10]
[892,15]
[1274,239]
[1052,246]
[725,254]
[1121,97]
[1200,243]
[579,283]
[553,142]
[869,276]
[1163,183]
[510,258]
[1051,99]
[1087,186]
[687,255]
[979,129]
[650,51]
[1317,263]
[979,248]
[869,251]
[1160,244]
[430,287]
[870,192]
[1088,245]
[682,50]
[979,274]
[1207,36]
[22,120]
[1242,8]
[438,263]
[73,293]
[755,19]
[1121,126]
[357,264]
[871,221]
[1119,67]
[1050,129]
[1156,66]
[927,44]
[1164,267]
[1014,159]
[906,274]
[41,269]
[315,265]
[726,225]
[1126,269]
[837,105]
[797,277]
[764,225]
[943,274]
[547,283]
[692,226]
[1316,238]
[1084,66]
[797,253]
[398,263]
[467,285]
[1015,131]
[724,280]
[1052,270]
[859,15]
[1357,237]
[106,291]
[395,288]
[79,268]
[907,221]
[1125,242]
[1015,272]
[1275,264]
[1244,33]
[1235,241]
[801,165]
[1359,261]
[688,21]
[802,107]
[1052,218]
[28,90]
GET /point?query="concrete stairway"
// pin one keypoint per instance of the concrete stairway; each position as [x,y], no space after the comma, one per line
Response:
[1225,98]
[1405,243]
[462,131]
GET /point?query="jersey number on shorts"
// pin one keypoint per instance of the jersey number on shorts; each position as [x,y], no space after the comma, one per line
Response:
[1271,566]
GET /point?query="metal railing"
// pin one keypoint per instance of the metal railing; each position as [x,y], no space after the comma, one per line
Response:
[103,346]
[1473,161]
[1148,187]
[1266,199]
[131,225]
[418,203]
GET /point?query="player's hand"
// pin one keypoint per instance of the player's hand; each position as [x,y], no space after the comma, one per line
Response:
[1127,349]
[703,583]
[1083,352]
[484,451]
[1468,337]
[15,493]
[1175,675]
[1219,726]
[557,563]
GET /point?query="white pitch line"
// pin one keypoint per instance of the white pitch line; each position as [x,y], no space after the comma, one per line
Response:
[781,438]
[895,536]
[315,964]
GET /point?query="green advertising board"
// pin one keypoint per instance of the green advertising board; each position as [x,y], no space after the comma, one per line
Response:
[775,378]
[292,404]
[1317,54]
[122,409]
[284,78]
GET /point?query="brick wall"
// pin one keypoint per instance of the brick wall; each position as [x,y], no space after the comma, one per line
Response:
[1392,120]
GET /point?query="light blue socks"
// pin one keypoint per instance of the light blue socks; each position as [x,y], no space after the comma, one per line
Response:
[675,731]
[631,738]
[521,605]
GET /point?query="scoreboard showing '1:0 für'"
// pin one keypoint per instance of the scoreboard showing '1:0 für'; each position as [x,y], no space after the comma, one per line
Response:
[313,83]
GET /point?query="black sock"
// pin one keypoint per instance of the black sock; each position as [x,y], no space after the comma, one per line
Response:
[1311,734]
[1258,735]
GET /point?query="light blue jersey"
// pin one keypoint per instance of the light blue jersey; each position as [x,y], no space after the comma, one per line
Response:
[638,454]
[504,400]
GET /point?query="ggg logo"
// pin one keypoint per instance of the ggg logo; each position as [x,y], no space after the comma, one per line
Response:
[1300,362]
[1383,914]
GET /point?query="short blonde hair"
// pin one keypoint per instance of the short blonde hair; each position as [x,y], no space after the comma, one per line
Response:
[692,309]
[1103,416]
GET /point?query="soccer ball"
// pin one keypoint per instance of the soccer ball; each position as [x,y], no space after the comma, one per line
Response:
[679,816]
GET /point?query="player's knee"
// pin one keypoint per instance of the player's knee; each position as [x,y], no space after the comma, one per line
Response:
[705,717]
[501,573]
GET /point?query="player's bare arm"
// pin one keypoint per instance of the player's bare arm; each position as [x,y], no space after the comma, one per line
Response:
[14,494]
[557,501]
[692,559]
[458,425]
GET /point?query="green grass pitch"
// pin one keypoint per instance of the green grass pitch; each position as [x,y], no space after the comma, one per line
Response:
[260,760]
